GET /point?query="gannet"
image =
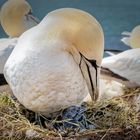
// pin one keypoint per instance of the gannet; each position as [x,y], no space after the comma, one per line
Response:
[133,38]
[124,67]
[15,18]
[57,63]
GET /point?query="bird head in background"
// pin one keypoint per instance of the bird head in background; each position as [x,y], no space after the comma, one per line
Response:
[132,38]
[16,17]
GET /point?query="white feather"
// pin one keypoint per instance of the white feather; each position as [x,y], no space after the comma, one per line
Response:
[126,33]
[126,41]
[44,70]
[125,64]
[6,47]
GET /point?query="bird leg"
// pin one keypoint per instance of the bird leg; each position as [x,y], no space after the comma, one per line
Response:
[38,119]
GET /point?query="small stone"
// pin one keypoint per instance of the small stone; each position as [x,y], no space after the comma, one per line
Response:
[32,134]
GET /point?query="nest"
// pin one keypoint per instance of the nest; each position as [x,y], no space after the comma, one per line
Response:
[117,118]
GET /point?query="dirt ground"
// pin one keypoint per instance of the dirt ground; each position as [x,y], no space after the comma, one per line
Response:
[5,88]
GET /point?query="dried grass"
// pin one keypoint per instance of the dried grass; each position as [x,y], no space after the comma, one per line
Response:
[114,117]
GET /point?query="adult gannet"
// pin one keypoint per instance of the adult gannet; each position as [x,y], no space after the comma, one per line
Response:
[133,38]
[124,67]
[59,63]
[15,18]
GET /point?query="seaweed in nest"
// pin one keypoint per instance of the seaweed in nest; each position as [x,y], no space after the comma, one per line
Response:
[103,119]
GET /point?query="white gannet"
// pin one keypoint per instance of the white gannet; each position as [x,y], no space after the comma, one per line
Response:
[133,38]
[15,18]
[57,63]
[124,67]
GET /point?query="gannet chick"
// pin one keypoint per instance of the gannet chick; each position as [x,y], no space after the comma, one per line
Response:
[124,68]
[133,38]
[57,63]
[16,17]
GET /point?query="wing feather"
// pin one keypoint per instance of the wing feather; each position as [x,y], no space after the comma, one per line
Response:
[126,64]
[6,47]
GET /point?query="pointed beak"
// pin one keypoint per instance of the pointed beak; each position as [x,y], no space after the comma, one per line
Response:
[91,75]
[95,87]
[33,18]
[96,93]
[30,17]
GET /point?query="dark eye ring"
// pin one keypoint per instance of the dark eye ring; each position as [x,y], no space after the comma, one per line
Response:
[30,12]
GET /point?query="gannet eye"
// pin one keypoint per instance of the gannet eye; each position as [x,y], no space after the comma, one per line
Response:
[30,16]
[30,12]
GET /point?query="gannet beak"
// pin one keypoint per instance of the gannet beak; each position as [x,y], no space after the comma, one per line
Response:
[90,71]
[93,72]
[31,17]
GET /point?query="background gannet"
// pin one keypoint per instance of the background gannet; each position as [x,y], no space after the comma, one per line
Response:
[133,38]
[124,67]
[59,63]
[15,18]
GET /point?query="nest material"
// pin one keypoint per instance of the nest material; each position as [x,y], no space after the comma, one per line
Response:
[117,118]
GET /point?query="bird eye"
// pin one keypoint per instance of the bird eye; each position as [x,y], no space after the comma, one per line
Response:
[30,12]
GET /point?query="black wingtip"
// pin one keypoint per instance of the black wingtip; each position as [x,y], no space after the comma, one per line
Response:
[2,80]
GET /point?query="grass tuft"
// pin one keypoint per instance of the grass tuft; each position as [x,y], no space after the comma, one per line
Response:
[117,116]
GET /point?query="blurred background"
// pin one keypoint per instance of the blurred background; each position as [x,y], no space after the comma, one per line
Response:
[114,16]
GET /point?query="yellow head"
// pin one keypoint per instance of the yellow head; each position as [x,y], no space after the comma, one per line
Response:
[15,17]
[135,37]
[78,28]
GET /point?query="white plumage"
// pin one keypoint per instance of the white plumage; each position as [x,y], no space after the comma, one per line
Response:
[132,38]
[54,64]
[125,64]
[6,47]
